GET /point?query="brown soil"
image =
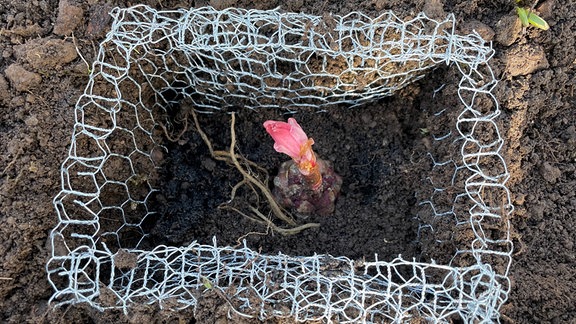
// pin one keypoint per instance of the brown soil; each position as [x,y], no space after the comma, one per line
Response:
[43,76]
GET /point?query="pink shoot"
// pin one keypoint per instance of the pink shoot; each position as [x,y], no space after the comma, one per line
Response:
[290,139]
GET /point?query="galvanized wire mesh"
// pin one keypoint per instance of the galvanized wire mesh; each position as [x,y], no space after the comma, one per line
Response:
[218,58]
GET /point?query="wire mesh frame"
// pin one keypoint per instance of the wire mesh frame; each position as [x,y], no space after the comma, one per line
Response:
[83,268]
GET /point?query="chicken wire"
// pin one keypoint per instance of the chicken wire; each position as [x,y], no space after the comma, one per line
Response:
[217,58]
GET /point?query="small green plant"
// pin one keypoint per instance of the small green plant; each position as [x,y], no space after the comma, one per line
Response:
[529,17]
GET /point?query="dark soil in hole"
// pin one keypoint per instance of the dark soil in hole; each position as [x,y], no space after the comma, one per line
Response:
[374,213]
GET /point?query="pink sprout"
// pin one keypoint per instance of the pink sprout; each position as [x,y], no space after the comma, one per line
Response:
[290,139]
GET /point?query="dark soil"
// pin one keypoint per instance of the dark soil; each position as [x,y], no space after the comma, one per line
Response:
[379,188]
[379,149]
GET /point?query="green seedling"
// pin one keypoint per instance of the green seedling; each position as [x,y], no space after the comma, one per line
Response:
[207,283]
[529,17]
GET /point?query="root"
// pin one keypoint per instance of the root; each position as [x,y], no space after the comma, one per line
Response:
[250,179]
[179,135]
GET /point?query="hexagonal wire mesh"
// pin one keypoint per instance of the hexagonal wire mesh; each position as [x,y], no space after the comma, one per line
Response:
[271,59]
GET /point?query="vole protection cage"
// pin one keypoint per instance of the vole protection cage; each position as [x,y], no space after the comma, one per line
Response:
[255,59]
